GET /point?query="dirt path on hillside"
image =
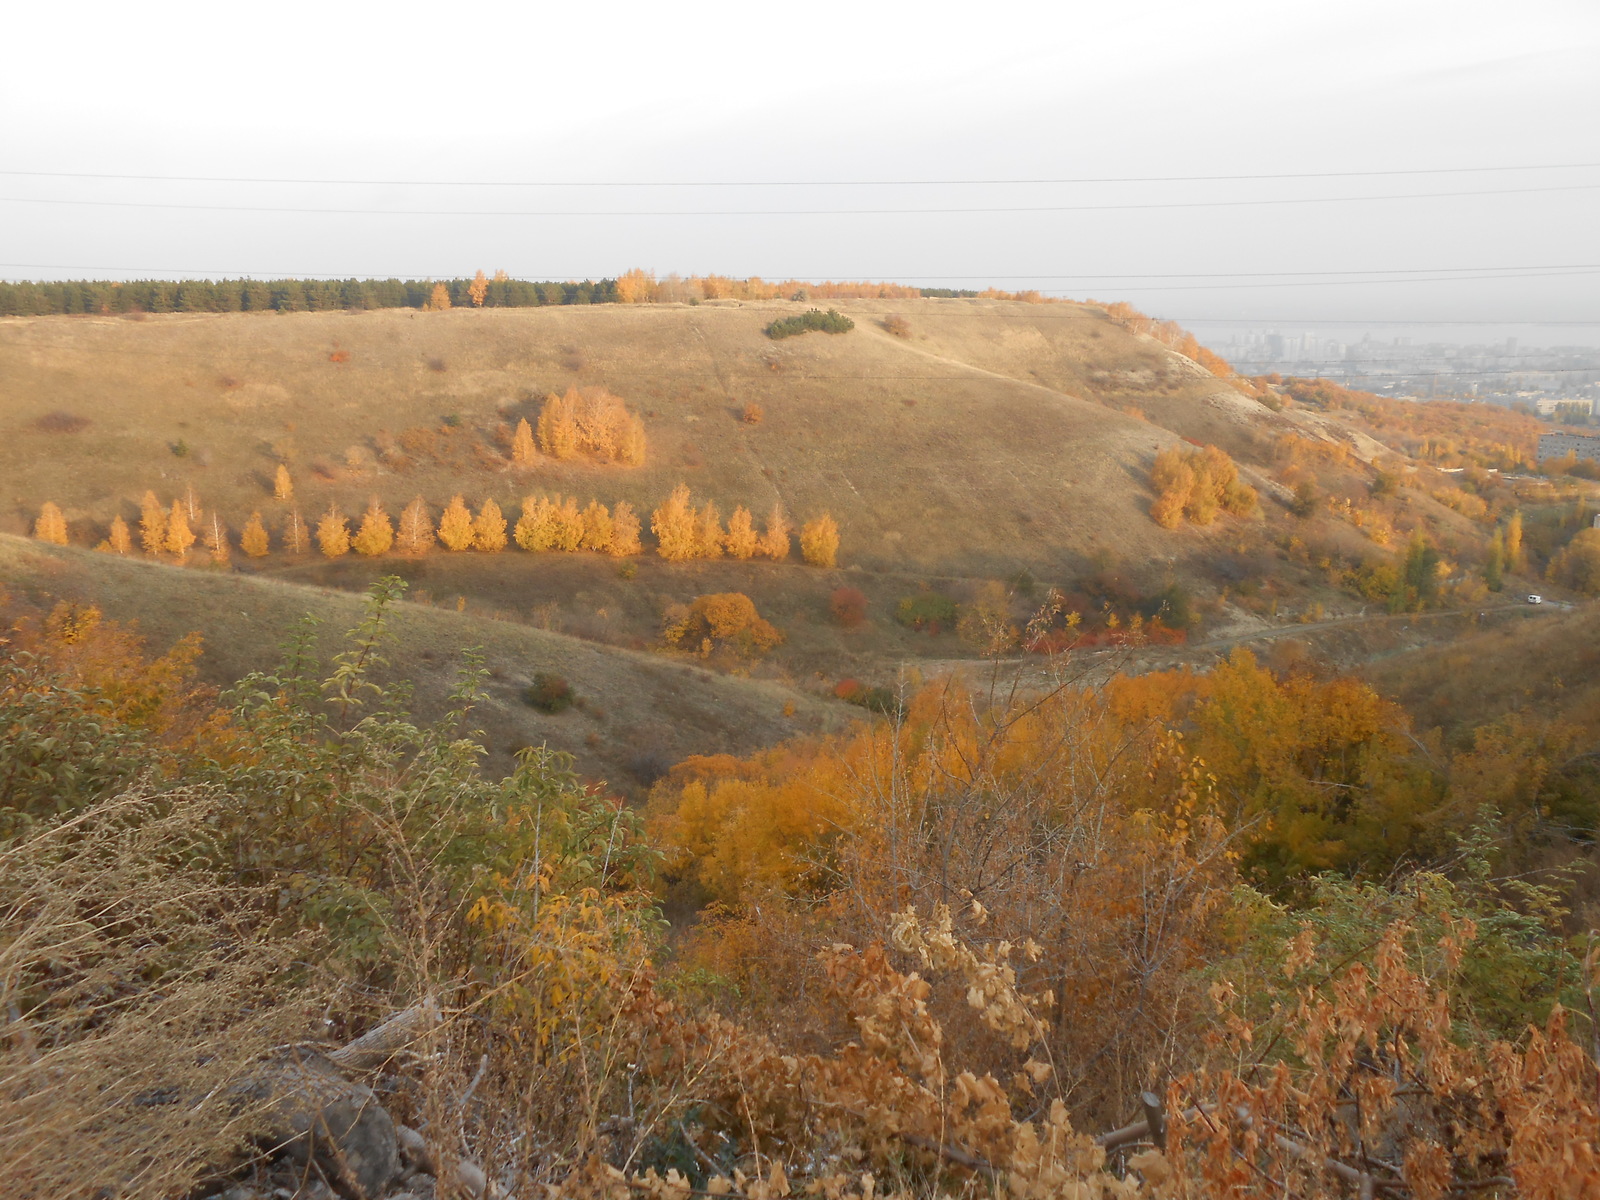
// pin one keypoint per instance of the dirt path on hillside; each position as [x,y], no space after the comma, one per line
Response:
[1099,664]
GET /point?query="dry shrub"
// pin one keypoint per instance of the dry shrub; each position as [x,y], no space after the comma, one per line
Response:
[897,325]
[848,607]
[1032,818]
[752,414]
[61,422]
[138,987]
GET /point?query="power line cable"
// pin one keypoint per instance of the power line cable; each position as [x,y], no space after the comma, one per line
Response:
[822,277]
[757,183]
[791,212]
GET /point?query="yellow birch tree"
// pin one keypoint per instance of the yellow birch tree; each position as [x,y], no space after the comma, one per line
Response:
[489,527]
[523,451]
[333,533]
[283,485]
[455,526]
[624,530]
[152,525]
[51,526]
[295,536]
[708,532]
[675,527]
[179,536]
[536,528]
[118,540]
[819,541]
[253,538]
[558,425]
[742,540]
[598,529]
[569,525]
[217,541]
[775,542]
[416,528]
[376,534]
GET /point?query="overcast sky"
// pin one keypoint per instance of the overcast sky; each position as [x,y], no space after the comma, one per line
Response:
[744,92]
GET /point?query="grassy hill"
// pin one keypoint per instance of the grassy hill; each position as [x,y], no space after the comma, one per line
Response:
[639,713]
[956,441]
[989,439]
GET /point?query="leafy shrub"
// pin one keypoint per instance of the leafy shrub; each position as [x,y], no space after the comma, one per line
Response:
[927,612]
[722,618]
[549,693]
[848,607]
[831,321]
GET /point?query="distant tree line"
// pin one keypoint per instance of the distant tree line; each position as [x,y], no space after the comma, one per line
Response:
[77,296]
[290,295]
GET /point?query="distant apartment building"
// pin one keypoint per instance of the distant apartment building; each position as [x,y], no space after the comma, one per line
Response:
[1579,445]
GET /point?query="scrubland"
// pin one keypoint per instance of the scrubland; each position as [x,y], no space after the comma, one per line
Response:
[1161,795]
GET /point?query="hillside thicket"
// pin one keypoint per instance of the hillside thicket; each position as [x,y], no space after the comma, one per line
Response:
[947,946]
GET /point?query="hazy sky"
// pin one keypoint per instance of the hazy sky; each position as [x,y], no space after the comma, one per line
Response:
[739,92]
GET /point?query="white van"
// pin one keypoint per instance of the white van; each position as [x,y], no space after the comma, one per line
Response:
[1535,599]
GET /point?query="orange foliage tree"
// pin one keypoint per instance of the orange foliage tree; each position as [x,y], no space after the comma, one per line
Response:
[723,619]
[489,528]
[376,534]
[333,533]
[819,541]
[673,523]
[253,538]
[455,525]
[51,525]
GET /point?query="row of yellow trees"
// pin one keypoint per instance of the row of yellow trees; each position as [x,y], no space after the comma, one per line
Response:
[546,524]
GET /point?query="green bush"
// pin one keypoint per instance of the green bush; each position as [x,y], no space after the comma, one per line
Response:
[831,321]
[930,611]
[549,693]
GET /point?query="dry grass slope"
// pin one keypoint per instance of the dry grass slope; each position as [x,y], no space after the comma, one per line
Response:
[640,713]
[988,439]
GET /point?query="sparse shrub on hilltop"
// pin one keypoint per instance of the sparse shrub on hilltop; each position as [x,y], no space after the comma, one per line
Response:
[831,321]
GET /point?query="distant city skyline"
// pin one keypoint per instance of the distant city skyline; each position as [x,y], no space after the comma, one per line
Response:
[1214,161]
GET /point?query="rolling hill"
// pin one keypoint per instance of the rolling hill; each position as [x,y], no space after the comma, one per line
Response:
[992,438]
[639,713]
